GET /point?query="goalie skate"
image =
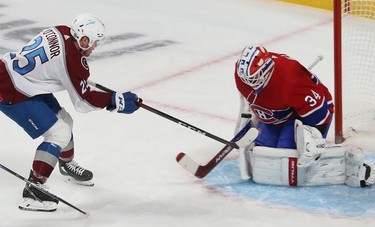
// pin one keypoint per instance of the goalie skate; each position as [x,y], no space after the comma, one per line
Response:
[75,173]
[36,200]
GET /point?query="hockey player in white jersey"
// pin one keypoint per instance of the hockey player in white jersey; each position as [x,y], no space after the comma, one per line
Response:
[55,60]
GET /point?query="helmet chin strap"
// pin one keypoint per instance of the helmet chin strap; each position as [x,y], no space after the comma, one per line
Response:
[89,44]
[81,47]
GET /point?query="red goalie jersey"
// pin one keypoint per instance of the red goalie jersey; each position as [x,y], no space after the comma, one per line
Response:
[290,92]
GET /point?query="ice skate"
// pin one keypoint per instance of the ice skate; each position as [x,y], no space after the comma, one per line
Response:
[76,173]
[36,200]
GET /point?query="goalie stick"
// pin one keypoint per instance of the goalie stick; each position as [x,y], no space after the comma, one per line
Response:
[41,189]
[201,171]
[318,59]
[233,144]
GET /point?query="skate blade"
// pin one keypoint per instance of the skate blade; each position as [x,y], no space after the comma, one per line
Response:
[88,183]
[29,204]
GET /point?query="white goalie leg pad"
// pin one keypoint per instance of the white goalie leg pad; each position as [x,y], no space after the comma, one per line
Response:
[275,166]
[309,142]
[358,174]
[244,117]
[334,165]
[244,162]
[327,169]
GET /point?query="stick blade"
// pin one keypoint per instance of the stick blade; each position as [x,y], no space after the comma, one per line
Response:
[187,163]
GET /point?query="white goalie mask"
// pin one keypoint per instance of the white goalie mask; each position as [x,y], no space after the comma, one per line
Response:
[255,66]
[90,26]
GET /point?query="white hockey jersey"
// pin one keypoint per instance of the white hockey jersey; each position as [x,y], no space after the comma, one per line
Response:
[47,64]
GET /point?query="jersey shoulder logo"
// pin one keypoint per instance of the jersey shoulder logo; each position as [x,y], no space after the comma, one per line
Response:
[269,116]
[84,63]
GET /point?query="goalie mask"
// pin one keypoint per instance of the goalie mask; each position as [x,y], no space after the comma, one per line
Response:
[255,66]
[90,26]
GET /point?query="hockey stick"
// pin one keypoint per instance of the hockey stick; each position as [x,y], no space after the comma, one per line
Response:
[41,189]
[201,171]
[318,59]
[233,144]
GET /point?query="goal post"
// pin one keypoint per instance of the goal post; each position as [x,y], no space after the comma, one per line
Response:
[354,65]
[337,44]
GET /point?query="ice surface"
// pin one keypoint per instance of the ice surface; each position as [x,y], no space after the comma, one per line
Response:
[179,57]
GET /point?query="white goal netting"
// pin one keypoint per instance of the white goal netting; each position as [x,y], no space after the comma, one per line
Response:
[358,64]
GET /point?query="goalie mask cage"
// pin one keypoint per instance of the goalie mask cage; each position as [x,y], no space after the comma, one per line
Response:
[354,60]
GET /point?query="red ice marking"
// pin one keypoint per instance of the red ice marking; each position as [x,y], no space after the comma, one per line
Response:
[230,55]
[201,66]
[189,110]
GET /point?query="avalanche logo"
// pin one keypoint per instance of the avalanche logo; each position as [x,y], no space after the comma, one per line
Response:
[84,63]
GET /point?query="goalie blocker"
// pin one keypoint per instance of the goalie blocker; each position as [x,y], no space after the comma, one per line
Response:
[335,165]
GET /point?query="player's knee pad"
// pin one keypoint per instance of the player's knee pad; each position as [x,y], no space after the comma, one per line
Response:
[60,134]
[65,116]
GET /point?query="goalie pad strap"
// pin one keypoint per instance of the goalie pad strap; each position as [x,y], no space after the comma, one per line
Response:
[293,176]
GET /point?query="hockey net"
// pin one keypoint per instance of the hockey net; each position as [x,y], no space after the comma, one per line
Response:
[354,41]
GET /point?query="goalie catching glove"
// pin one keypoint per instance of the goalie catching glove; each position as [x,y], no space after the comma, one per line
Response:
[124,102]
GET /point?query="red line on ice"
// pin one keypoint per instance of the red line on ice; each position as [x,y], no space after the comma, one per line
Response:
[185,72]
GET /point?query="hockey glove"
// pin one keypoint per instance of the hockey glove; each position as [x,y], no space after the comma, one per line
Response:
[124,103]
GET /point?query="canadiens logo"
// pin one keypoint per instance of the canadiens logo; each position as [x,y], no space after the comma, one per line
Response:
[269,116]
[84,63]
[265,115]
